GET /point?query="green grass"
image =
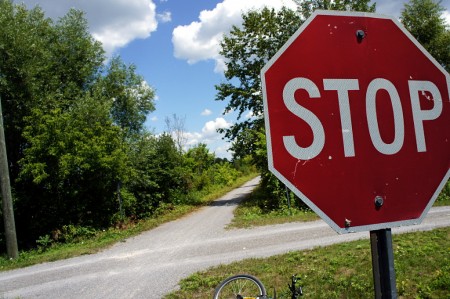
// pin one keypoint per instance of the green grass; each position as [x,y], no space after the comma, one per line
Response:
[245,217]
[444,197]
[335,271]
[106,238]
[101,240]
[250,213]
[422,264]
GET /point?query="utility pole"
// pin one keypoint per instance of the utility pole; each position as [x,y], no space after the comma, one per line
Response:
[8,211]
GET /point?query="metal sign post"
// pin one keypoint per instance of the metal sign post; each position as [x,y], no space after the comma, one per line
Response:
[383,264]
[350,111]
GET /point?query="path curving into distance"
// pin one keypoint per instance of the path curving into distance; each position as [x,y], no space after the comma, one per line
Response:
[151,264]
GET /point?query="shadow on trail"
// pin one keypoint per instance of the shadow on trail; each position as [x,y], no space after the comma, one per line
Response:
[237,199]
[248,186]
[227,202]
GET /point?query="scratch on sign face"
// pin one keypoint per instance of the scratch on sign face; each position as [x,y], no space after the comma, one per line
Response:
[296,166]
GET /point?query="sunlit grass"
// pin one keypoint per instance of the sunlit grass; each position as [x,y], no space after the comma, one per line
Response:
[104,239]
[422,264]
[251,212]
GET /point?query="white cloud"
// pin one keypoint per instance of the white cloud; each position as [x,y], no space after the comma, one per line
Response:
[165,17]
[209,130]
[206,112]
[115,23]
[249,115]
[210,137]
[200,40]
[446,16]
[208,133]
[222,151]
[192,138]
[390,8]
[154,119]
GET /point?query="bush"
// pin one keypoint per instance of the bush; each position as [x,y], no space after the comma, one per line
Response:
[44,242]
[223,174]
[444,196]
[72,233]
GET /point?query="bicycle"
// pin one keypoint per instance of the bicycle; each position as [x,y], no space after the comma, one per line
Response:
[244,286]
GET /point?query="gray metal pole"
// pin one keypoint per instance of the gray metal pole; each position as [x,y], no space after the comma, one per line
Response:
[383,264]
[8,211]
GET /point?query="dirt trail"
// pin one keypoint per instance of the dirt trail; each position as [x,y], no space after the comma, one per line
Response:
[151,264]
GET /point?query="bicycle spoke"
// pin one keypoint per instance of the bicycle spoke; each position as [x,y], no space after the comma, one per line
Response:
[240,287]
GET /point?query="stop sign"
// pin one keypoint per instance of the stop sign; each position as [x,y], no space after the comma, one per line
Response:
[357,119]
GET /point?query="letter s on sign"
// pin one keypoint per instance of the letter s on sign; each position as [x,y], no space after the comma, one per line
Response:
[303,153]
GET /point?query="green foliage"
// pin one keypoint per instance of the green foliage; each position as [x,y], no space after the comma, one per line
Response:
[307,7]
[67,234]
[341,270]
[24,40]
[444,197]
[198,160]
[131,98]
[105,237]
[70,121]
[223,174]
[72,163]
[163,176]
[44,242]
[253,211]
[424,20]
[247,49]
[72,233]
[79,155]
[156,177]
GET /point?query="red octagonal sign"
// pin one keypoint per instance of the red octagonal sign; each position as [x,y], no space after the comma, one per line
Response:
[358,121]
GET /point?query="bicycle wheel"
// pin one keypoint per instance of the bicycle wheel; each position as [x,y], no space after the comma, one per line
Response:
[242,286]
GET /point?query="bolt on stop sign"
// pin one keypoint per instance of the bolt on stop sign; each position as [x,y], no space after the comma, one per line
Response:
[357,119]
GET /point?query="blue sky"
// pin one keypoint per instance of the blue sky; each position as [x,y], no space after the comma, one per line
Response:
[174,44]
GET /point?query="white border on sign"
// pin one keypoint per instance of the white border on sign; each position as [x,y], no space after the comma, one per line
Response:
[297,192]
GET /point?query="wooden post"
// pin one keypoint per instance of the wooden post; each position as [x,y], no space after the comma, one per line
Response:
[8,211]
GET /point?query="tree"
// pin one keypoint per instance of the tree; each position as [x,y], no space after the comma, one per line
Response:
[24,41]
[70,121]
[6,196]
[199,160]
[424,20]
[131,97]
[307,7]
[249,47]
[71,165]
[76,58]
[42,64]
[175,126]
[246,50]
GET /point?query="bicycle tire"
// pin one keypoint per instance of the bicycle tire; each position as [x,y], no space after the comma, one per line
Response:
[241,286]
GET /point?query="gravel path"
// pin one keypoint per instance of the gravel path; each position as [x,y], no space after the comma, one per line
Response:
[151,264]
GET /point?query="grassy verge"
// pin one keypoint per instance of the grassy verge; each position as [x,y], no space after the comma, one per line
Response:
[250,213]
[106,238]
[422,266]
[444,197]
